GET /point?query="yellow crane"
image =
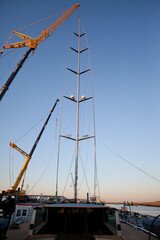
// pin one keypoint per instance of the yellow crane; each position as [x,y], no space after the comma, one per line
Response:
[32,43]
[13,190]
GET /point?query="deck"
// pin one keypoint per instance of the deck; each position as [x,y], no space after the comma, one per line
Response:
[128,233]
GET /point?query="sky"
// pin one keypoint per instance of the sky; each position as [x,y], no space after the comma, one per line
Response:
[124,44]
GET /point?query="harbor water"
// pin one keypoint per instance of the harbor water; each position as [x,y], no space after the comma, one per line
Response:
[145,210]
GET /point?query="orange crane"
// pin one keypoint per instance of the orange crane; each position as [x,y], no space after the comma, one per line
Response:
[13,190]
[32,43]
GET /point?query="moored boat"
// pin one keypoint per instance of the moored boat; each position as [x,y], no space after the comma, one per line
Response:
[75,221]
[90,220]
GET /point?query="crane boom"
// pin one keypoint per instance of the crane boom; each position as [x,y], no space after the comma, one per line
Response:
[32,44]
[19,178]
[14,73]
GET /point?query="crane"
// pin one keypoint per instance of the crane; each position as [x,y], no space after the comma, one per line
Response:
[13,190]
[32,43]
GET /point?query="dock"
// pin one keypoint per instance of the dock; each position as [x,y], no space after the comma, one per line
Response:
[19,234]
[128,233]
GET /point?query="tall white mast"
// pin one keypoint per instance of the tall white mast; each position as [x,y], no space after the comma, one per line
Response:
[77,121]
[78,101]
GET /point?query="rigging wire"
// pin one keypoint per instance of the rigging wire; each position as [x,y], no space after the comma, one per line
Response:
[42,174]
[59,139]
[65,92]
[85,167]
[68,174]
[99,193]
[56,130]
[60,127]
[84,127]
[56,122]
[96,183]
[71,166]
[85,174]
[133,165]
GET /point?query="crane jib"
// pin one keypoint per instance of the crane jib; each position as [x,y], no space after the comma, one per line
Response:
[32,44]
[40,134]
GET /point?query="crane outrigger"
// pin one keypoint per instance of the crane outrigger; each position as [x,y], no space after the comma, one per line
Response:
[13,190]
[32,43]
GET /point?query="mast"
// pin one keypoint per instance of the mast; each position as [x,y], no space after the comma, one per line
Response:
[77,122]
[78,101]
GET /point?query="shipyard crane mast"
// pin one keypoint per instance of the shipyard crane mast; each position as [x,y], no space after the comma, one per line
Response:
[13,191]
[32,43]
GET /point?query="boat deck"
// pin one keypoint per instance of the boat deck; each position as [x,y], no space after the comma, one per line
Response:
[128,233]
[131,233]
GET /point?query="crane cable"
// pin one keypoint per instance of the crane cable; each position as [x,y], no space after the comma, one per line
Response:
[42,174]
[23,180]
[9,39]
[34,24]
[9,62]
[18,138]
[53,15]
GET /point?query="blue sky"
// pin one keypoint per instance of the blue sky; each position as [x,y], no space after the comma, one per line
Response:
[124,42]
